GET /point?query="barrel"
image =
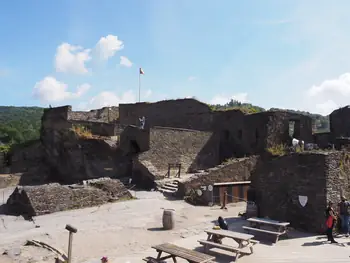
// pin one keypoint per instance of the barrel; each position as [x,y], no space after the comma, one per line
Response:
[168,219]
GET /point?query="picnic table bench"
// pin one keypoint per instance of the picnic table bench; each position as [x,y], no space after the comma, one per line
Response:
[180,252]
[243,240]
[256,224]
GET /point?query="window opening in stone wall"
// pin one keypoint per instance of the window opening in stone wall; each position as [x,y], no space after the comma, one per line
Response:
[291,128]
[239,135]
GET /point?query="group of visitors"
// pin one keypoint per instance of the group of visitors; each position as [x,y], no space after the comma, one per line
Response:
[333,216]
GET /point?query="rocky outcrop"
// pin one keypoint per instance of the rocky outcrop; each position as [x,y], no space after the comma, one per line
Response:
[50,198]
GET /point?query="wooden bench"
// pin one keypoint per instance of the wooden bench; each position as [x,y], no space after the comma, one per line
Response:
[174,252]
[243,240]
[273,233]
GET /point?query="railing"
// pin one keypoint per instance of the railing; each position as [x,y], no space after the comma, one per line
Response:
[174,166]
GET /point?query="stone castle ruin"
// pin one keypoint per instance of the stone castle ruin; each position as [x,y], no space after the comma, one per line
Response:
[210,147]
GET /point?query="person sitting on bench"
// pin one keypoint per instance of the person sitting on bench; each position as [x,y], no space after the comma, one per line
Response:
[223,225]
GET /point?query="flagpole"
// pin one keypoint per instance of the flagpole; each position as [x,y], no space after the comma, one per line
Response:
[139,86]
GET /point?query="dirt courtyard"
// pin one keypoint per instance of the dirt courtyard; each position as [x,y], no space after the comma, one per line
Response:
[125,232]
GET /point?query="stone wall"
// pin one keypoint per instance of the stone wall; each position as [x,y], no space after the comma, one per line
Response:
[229,126]
[338,175]
[281,180]
[106,114]
[72,159]
[99,128]
[45,199]
[239,134]
[63,118]
[195,150]
[235,170]
[26,157]
[322,139]
[243,135]
[134,140]
[181,113]
[339,124]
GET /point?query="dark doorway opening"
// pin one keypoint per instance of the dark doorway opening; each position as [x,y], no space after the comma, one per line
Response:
[134,147]
[294,129]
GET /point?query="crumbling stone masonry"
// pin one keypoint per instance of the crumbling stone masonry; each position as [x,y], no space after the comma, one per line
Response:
[181,113]
[235,170]
[240,135]
[50,198]
[72,158]
[106,115]
[321,176]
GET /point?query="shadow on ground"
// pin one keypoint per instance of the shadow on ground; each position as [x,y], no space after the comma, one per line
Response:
[156,229]
[3,209]
[219,257]
[236,224]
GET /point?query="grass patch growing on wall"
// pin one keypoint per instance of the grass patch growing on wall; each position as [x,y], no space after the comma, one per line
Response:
[82,132]
[278,150]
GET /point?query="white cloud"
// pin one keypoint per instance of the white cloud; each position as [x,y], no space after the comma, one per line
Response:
[148,93]
[124,61]
[338,86]
[330,94]
[51,90]
[107,46]
[71,59]
[191,78]
[108,98]
[222,99]
[327,107]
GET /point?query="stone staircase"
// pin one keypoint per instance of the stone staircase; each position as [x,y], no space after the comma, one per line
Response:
[168,188]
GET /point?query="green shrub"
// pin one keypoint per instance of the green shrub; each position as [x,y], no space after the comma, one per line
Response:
[278,150]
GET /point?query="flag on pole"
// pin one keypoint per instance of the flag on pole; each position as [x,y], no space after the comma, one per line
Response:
[141,72]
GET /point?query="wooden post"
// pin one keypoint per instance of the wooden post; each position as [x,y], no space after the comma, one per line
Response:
[71,230]
[224,201]
[169,169]
[179,169]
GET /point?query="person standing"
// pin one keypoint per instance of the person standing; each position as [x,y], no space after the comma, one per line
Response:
[344,207]
[330,222]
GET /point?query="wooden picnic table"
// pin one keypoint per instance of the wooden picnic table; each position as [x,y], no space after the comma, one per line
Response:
[256,224]
[281,226]
[180,252]
[243,240]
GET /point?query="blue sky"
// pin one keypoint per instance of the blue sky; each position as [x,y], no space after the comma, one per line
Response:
[288,54]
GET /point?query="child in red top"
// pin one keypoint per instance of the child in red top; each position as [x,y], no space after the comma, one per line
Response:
[330,222]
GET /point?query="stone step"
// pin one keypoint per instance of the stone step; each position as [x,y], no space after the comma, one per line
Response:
[171,185]
[169,188]
[166,191]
